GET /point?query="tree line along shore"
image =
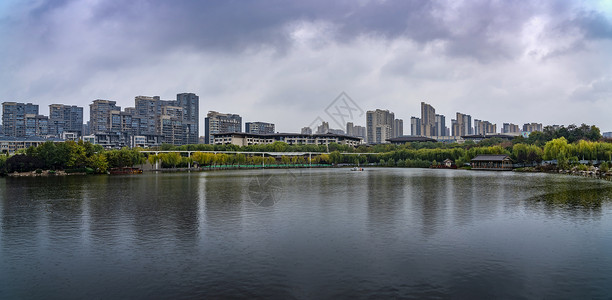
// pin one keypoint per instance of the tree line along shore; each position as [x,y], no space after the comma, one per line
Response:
[567,147]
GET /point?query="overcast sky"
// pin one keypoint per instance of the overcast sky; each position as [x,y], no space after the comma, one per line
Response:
[285,62]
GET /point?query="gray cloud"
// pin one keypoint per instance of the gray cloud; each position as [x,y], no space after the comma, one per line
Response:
[295,57]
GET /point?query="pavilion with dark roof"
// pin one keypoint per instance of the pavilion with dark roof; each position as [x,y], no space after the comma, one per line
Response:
[493,162]
[400,140]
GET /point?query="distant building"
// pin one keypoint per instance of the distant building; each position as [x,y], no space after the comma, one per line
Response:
[440,126]
[355,130]
[323,128]
[216,122]
[428,119]
[100,111]
[531,127]
[607,135]
[65,118]
[379,126]
[246,139]
[36,125]
[14,118]
[484,127]
[190,103]
[415,126]
[398,128]
[462,125]
[400,140]
[306,130]
[510,128]
[259,127]
[10,145]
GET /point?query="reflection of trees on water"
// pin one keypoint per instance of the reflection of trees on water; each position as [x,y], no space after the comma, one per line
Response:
[579,200]
[429,193]
[33,202]
[385,197]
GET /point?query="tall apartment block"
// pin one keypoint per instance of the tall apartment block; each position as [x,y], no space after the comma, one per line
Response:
[484,127]
[22,119]
[440,126]
[379,126]
[323,128]
[259,127]
[151,119]
[531,127]
[190,103]
[510,128]
[415,126]
[462,125]
[355,130]
[65,118]
[428,119]
[100,111]
[398,127]
[216,122]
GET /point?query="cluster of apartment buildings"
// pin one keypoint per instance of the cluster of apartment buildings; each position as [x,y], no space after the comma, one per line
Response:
[153,121]
[433,125]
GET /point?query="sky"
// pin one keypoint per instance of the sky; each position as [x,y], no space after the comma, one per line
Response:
[288,62]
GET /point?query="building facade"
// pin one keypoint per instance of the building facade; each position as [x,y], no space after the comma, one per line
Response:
[65,118]
[246,139]
[428,119]
[510,128]
[14,121]
[462,125]
[484,127]
[531,127]
[216,122]
[259,127]
[415,126]
[379,126]
[355,130]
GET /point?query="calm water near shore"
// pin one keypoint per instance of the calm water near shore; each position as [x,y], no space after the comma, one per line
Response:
[307,234]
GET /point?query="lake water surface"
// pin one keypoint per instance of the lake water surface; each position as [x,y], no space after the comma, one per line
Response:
[307,234]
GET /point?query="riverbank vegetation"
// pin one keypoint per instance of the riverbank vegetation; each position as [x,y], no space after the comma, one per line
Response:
[563,148]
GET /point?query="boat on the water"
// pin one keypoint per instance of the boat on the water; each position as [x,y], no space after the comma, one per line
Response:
[125,170]
[357,169]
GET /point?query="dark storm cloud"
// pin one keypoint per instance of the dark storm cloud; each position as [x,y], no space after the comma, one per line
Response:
[593,24]
[473,29]
[293,57]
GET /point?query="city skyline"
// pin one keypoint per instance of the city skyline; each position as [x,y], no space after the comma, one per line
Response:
[541,61]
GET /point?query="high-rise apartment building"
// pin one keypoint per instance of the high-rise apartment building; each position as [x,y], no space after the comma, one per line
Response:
[462,125]
[216,122]
[306,130]
[355,130]
[323,128]
[36,125]
[510,128]
[398,128]
[190,103]
[484,127]
[415,126]
[440,126]
[428,119]
[531,127]
[100,111]
[14,118]
[259,127]
[65,118]
[379,126]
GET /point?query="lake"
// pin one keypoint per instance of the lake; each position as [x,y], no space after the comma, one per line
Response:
[307,234]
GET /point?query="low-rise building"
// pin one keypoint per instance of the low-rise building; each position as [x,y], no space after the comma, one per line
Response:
[10,145]
[246,139]
[494,162]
